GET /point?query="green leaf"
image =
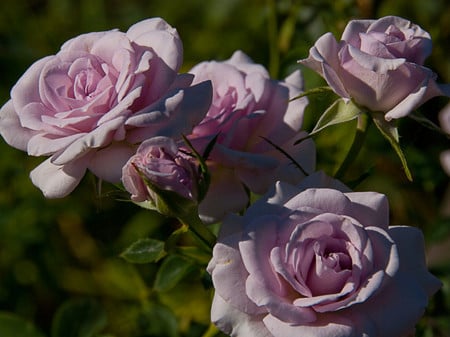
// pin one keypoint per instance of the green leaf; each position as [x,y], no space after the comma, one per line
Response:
[79,318]
[390,132]
[338,112]
[144,251]
[172,270]
[12,325]
[157,320]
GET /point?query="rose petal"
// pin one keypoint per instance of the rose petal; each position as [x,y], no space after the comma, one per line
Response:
[107,163]
[236,323]
[11,129]
[326,325]
[58,181]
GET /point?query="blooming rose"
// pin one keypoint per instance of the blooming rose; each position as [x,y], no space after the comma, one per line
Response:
[318,262]
[378,63]
[158,160]
[444,119]
[248,105]
[101,93]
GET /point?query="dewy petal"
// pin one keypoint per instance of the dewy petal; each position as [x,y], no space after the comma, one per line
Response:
[58,181]
[11,129]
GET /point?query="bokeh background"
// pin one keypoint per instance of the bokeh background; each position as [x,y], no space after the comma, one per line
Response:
[60,270]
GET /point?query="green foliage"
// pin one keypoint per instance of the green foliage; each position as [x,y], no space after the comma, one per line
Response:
[57,256]
[144,251]
[12,325]
[79,318]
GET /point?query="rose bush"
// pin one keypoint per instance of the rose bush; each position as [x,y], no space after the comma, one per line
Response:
[379,64]
[248,105]
[159,161]
[103,92]
[315,262]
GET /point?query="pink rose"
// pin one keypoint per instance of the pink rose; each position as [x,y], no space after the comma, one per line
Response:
[158,160]
[318,262]
[248,105]
[103,92]
[379,64]
[444,119]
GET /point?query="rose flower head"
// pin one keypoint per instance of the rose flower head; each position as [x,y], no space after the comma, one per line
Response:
[249,114]
[378,64]
[159,164]
[318,262]
[87,106]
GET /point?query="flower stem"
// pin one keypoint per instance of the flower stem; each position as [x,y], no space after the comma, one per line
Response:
[362,125]
[200,231]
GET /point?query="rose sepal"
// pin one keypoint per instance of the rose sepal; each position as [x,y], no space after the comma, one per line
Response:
[173,205]
[390,131]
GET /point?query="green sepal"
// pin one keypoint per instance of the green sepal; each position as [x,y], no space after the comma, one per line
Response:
[390,132]
[144,251]
[340,111]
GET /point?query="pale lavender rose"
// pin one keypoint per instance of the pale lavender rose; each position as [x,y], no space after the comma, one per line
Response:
[248,105]
[379,64]
[318,262]
[159,161]
[103,92]
[444,119]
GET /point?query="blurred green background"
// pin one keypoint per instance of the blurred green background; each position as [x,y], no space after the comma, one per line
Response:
[60,268]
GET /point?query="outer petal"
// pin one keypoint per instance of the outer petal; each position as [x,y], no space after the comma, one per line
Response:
[323,58]
[235,322]
[225,194]
[58,181]
[427,90]
[175,114]
[25,90]
[327,325]
[395,311]
[369,208]
[11,130]
[107,163]
[160,36]
[229,274]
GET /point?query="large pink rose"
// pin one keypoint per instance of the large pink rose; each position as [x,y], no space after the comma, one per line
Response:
[248,105]
[379,64]
[103,92]
[318,262]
